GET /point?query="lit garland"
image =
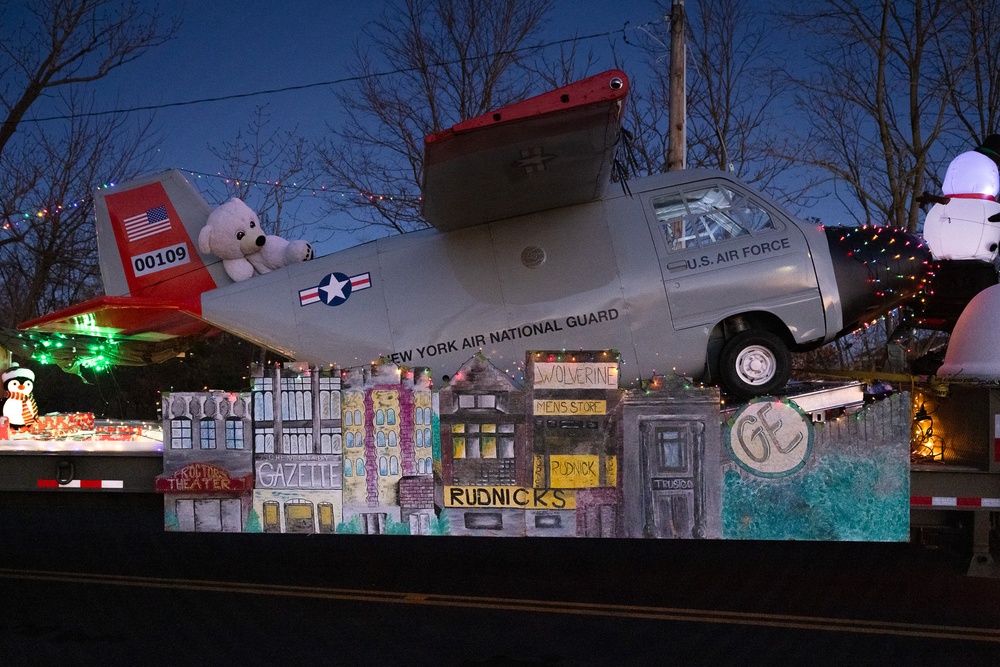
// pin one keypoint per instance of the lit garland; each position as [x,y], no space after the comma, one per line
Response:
[315,190]
[72,353]
[43,212]
[890,257]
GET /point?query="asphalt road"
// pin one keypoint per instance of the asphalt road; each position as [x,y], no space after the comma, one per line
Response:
[93,579]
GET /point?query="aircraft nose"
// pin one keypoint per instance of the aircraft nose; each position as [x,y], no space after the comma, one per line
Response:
[260,240]
[877,269]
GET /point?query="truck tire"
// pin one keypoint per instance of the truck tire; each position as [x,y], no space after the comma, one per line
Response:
[754,363]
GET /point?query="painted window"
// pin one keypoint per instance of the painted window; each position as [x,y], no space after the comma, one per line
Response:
[418,416]
[380,417]
[427,416]
[359,468]
[458,444]
[390,416]
[234,434]
[393,441]
[472,447]
[427,437]
[357,417]
[506,447]
[349,438]
[488,441]
[383,466]
[348,418]
[506,440]
[419,437]
[472,441]
[393,465]
[180,433]
[486,401]
[484,520]
[348,468]
[380,438]
[206,433]
[671,449]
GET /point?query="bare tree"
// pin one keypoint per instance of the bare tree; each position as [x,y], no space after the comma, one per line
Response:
[54,262]
[737,95]
[65,43]
[260,153]
[878,99]
[976,100]
[50,50]
[452,60]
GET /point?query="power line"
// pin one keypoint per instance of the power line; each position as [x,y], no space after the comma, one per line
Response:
[335,82]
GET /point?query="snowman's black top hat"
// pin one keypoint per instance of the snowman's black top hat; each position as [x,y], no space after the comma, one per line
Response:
[991,147]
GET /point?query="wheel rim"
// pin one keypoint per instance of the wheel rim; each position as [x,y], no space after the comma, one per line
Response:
[756,365]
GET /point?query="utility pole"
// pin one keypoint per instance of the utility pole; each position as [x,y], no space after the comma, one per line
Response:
[677,135]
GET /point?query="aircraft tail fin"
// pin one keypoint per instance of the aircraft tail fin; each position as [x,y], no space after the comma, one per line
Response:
[147,232]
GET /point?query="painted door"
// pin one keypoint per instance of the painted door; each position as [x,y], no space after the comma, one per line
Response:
[272,517]
[299,516]
[208,515]
[600,521]
[326,518]
[673,465]
[232,515]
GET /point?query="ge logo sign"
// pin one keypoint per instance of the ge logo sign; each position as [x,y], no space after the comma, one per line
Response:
[770,438]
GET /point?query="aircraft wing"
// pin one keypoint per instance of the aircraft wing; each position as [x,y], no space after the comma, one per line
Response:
[122,317]
[549,151]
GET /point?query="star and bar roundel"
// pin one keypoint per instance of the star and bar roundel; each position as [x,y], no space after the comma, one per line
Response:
[335,289]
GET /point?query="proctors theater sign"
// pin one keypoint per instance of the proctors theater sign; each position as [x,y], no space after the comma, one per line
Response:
[202,478]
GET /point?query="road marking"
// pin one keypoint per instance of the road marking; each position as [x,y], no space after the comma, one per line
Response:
[861,626]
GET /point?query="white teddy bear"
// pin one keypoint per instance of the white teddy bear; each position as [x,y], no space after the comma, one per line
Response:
[233,233]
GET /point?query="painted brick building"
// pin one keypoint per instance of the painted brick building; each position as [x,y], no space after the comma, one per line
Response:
[298,450]
[207,461]
[387,418]
[575,449]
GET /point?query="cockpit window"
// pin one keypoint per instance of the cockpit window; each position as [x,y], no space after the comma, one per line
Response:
[697,218]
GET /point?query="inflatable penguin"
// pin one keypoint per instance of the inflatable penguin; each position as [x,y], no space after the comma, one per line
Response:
[964,224]
[19,406]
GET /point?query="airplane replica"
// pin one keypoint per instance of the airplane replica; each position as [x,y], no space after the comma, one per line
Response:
[689,272]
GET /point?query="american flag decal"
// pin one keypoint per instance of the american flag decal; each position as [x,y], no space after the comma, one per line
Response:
[335,289]
[147,224]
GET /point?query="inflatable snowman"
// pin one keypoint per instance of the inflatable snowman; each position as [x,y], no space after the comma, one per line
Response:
[19,407]
[965,224]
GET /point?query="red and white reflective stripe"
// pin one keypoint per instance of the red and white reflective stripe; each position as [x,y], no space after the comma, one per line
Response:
[82,484]
[308,296]
[361,281]
[996,437]
[972,195]
[947,501]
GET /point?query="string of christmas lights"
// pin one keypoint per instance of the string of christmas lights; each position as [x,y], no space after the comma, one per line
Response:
[315,190]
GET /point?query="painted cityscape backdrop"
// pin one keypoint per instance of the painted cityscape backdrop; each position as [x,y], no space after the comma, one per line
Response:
[377,450]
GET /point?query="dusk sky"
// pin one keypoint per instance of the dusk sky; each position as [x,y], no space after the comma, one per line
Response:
[226,47]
